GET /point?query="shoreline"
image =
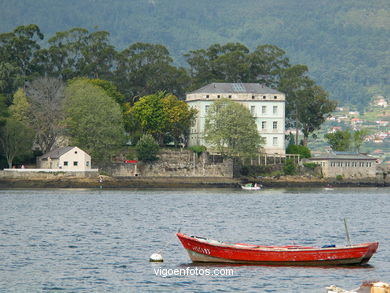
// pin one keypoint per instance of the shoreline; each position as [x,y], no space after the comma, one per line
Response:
[181,182]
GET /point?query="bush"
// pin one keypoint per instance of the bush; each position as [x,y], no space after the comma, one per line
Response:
[147,148]
[301,150]
[310,165]
[339,177]
[198,149]
[289,167]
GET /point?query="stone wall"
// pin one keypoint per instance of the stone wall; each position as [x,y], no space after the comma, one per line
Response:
[176,163]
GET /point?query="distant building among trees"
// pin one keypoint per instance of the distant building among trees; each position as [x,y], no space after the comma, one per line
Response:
[266,105]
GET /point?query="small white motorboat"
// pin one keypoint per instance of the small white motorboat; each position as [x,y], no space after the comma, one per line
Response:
[251,186]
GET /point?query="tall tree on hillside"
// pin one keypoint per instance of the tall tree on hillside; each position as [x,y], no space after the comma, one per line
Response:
[45,98]
[78,52]
[93,120]
[18,57]
[144,69]
[267,63]
[64,57]
[219,63]
[231,129]
[99,56]
[307,104]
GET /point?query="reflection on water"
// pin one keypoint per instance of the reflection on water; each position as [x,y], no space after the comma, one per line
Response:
[84,240]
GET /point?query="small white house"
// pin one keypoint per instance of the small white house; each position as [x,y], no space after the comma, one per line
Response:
[68,158]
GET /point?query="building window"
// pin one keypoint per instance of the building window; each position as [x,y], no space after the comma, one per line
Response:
[275,125]
[263,109]
[274,141]
[206,109]
[218,96]
[75,163]
[65,163]
[253,97]
[252,110]
[275,109]
[207,96]
[87,163]
[275,97]
[264,97]
[263,124]
[230,96]
[265,140]
[75,152]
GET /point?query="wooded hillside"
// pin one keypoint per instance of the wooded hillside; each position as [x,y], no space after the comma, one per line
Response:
[346,43]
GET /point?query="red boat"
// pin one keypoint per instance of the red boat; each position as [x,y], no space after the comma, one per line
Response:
[206,250]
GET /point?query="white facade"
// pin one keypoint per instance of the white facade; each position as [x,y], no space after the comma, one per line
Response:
[266,105]
[66,159]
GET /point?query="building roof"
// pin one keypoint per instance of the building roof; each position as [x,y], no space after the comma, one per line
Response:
[342,156]
[55,154]
[252,88]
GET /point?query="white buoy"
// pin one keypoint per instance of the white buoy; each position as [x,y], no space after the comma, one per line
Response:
[156,257]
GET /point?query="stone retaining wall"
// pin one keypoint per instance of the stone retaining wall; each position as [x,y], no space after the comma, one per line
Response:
[176,163]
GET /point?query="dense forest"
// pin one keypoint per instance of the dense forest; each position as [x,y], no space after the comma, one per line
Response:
[345,43]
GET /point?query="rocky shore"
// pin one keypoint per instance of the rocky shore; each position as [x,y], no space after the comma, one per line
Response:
[179,182]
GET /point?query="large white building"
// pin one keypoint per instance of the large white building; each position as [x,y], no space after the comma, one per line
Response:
[266,105]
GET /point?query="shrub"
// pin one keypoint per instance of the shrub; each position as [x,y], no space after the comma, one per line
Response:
[198,149]
[310,165]
[289,167]
[339,177]
[147,148]
[301,150]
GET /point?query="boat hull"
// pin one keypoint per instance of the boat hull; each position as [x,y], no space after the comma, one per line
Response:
[205,250]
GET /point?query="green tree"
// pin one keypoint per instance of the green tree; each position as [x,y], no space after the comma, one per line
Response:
[231,129]
[301,150]
[15,139]
[93,120]
[109,88]
[4,111]
[147,148]
[163,115]
[78,52]
[18,57]
[289,167]
[180,117]
[149,112]
[20,108]
[219,63]
[144,69]
[307,104]
[267,63]
[358,138]
[340,140]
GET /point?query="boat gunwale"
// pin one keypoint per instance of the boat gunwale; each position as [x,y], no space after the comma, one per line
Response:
[295,248]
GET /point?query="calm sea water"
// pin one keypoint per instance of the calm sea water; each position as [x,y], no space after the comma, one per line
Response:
[74,240]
